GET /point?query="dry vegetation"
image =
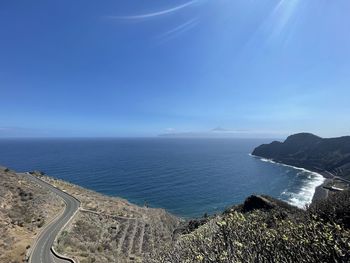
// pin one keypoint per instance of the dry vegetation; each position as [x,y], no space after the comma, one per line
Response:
[109,229]
[266,230]
[24,209]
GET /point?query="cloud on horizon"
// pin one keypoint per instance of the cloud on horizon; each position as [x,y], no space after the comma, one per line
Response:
[220,132]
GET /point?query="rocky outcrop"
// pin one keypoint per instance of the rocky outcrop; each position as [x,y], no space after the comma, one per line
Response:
[254,202]
[310,152]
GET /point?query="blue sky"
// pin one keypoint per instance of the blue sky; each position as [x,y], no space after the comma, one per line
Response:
[253,68]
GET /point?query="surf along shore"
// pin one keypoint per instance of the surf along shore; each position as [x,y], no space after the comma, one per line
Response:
[330,183]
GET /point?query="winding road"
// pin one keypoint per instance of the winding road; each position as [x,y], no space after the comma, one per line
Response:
[41,251]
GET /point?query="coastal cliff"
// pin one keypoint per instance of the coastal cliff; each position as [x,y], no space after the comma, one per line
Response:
[323,155]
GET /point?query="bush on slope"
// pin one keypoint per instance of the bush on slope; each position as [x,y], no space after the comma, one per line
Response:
[272,234]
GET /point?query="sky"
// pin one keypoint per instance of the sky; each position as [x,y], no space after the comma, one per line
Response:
[251,68]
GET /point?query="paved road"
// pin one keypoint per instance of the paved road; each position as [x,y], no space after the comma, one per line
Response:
[342,179]
[41,252]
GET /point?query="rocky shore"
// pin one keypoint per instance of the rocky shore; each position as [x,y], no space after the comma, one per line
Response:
[321,192]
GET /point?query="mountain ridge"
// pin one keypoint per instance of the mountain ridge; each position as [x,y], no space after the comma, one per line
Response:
[306,150]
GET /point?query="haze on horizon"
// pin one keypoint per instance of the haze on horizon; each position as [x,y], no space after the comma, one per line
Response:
[258,68]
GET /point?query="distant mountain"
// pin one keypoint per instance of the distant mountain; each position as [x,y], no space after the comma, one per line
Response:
[311,152]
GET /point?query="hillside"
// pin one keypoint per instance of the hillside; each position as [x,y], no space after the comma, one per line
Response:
[267,230]
[311,152]
[105,229]
[110,229]
[25,208]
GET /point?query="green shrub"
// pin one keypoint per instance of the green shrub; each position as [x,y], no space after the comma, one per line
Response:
[335,209]
[277,235]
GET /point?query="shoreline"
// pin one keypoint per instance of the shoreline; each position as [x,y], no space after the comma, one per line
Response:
[320,193]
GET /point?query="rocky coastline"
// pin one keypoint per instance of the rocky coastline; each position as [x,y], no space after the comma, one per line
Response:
[328,157]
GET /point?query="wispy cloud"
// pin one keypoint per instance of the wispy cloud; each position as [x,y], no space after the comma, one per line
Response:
[168,130]
[16,132]
[155,14]
[178,30]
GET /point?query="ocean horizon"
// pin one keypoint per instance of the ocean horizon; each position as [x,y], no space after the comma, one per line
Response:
[187,177]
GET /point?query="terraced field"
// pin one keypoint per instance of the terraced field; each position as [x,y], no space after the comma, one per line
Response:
[94,237]
[109,229]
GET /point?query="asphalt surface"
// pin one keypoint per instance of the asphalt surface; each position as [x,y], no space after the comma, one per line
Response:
[41,252]
[342,179]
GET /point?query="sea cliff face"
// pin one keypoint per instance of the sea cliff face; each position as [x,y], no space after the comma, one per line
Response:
[311,152]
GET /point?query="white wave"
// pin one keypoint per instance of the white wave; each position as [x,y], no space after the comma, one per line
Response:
[304,196]
[306,193]
[267,160]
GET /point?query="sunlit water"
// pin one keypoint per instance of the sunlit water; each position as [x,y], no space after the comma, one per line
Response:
[188,177]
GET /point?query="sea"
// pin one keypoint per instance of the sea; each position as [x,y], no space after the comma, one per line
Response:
[187,177]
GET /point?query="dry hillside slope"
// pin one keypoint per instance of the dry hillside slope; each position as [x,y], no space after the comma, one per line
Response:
[110,229]
[24,210]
